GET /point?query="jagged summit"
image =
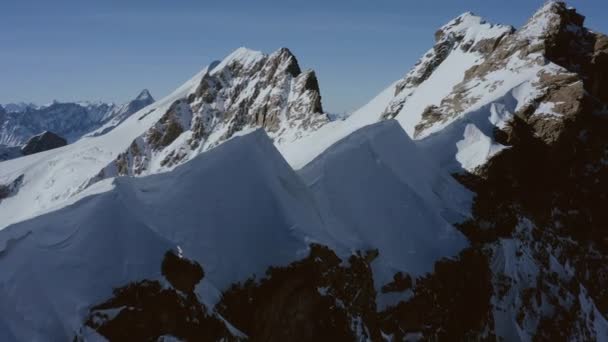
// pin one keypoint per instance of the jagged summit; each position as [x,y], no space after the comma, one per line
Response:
[246,90]
[549,20]
[145,95]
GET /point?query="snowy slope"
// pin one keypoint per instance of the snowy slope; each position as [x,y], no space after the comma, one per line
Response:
[53,179]
[81,252]
[237,210]
[376,190]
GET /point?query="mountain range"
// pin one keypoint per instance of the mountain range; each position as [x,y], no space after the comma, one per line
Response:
[466,201]
[71,120]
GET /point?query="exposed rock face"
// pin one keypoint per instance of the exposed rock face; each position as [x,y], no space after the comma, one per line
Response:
[248,89]
[539,214]
[540,210]
[452,303]
[8,190]
[452,36]
[315,298]
[38,143]
[147,311]
[69,120]
[554,37]
[43,142]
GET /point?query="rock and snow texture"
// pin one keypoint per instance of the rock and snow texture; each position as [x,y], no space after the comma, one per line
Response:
[69,120]
[246,90]
[376,190]
[476,78]
[55,178]
[241,209]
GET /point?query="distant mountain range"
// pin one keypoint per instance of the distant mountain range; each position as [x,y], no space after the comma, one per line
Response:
[71,120]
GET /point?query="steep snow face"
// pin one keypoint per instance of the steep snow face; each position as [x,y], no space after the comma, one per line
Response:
[69,120]
[459,46]
[377,191]
[246,90]
[237,210]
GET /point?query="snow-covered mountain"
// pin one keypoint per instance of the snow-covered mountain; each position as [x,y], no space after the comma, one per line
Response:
[70,120]
[357,229]
[235,201]
[247,89]
[19,107]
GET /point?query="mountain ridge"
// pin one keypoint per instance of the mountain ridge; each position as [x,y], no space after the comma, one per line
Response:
[71,120]
[365,227]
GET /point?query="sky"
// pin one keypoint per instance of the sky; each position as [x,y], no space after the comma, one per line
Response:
[109,50]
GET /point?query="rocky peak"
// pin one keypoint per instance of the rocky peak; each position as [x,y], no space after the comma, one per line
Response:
[145,95]
[465,34]
[43,142]
[563,62]
[286,61]
[142,100]
[246,90]
[548,25]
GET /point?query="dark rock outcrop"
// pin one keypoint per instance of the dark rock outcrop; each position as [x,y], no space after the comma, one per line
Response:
[8,190]
[450,304]
[183,274]
[310,300]
[43,142]
[546,194]
[146,310]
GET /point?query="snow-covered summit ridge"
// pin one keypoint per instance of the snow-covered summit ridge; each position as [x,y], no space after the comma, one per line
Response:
[483,75]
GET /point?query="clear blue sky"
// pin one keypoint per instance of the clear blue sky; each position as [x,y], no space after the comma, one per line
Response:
[110,49]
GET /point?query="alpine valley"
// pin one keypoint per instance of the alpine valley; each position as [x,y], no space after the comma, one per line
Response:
[465,202]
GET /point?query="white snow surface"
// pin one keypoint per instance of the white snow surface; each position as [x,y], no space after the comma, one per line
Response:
[236,209]
[376,190]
